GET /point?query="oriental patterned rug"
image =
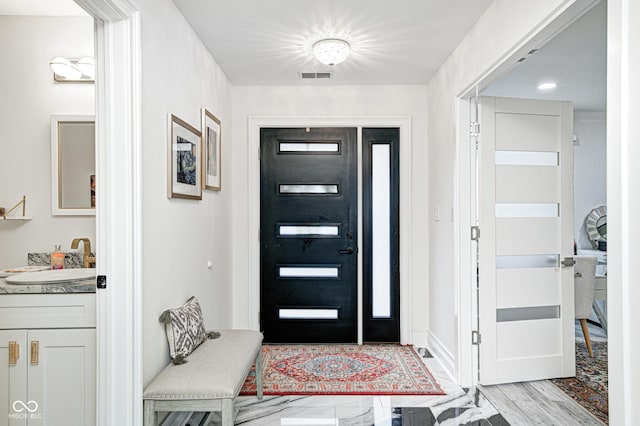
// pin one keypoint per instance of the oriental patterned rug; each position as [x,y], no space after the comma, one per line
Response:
[591,385]
[343,370]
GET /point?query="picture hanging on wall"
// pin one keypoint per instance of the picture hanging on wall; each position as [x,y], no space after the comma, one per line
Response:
[185,160]
[211,133]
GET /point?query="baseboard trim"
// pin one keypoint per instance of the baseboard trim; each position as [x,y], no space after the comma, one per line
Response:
[420,339]
[446,358]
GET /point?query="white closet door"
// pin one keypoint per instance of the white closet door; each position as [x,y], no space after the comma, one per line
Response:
[526,305]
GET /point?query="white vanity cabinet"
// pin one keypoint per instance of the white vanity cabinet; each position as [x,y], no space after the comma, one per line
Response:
[48,359]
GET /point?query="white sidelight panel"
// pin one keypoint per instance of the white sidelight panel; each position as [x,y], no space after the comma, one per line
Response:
[308,272]
[314,147]
[308,314]
[381,227]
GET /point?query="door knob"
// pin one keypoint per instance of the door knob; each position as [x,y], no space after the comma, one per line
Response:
[348,250]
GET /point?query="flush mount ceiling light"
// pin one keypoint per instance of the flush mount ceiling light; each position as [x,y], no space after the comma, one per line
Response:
[547,85]
[73,70]
[331,51]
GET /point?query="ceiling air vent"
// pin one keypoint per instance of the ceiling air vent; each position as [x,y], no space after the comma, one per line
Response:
[315,75]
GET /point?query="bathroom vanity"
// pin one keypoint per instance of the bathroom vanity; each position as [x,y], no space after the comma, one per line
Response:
[48,353]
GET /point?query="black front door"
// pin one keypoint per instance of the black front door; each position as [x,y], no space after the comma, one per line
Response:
[308,235]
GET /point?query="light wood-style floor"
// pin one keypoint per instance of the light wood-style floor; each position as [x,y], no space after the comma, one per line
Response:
[541,403]
[537,403]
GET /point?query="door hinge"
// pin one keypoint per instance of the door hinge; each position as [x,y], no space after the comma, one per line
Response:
[474,128]
[475,233]
[475,337]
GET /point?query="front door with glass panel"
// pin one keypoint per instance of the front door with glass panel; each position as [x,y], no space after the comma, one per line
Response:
[308,235]
[526,306]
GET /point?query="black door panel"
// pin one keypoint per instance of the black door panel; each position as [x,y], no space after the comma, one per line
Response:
[308,200]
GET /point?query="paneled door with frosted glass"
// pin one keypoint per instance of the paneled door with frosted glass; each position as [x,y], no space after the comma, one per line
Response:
[308,235]
[526,306]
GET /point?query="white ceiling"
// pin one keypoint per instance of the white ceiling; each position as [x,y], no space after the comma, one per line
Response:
[258,42]
[576,59]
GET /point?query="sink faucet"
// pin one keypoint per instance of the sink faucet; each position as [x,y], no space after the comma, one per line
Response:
[87,259]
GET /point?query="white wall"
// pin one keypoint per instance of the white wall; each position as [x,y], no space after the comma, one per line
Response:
[589,169]
[332,101]
[504,25]
[179,76]
[29,98]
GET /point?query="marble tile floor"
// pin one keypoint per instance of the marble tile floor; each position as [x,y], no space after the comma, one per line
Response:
[532,403]
[458,407]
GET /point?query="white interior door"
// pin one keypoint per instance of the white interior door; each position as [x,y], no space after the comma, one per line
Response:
[526,306]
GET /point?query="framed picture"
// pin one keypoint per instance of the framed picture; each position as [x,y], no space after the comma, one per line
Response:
[185,160]
[212,150]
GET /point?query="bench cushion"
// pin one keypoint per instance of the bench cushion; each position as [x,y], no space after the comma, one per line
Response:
[216,369]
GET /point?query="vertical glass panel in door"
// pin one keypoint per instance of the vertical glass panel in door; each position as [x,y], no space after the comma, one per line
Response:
[381,238]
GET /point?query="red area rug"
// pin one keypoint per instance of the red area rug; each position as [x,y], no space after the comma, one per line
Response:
[590,387]
[343,370]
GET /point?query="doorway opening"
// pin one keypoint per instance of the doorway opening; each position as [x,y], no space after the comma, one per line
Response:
[575,59]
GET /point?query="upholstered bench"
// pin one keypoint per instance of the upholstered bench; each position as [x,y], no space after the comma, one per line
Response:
[211,378]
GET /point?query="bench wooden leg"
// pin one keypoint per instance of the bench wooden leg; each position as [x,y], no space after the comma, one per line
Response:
[150,416]
[228,415]
[259,374]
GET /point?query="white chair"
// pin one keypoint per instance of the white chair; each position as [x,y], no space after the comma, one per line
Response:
[584,282]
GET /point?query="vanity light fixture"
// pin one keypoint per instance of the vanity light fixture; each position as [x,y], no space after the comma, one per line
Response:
[73,70]
[550,85]
[331,51]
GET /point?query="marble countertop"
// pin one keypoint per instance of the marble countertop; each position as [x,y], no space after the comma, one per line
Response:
[86,286]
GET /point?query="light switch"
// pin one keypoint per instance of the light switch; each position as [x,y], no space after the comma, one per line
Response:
[436,214]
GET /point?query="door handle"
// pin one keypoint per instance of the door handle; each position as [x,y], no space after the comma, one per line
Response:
[568,261]
[35,352]
[14,352]
[348,250]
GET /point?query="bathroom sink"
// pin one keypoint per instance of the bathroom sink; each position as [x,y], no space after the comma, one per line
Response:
[53,276]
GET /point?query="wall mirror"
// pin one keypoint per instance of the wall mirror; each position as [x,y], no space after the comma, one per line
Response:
[596,224]
[73,165]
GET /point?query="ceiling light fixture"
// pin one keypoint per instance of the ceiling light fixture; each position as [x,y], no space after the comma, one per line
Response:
[73,70]
[547,86]
[331,51]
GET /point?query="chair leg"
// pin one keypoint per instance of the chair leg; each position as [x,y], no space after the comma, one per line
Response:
[587,338]
[259,385]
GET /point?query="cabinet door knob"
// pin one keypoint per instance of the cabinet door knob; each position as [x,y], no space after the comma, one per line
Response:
[14,352]
[35,349]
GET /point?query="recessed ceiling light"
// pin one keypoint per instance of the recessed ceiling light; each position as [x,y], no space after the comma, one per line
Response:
[547,86]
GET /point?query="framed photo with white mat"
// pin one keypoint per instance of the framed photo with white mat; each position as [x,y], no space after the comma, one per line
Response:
[185,160]
[212,160]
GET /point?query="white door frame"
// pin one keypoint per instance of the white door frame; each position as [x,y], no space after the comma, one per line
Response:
[118,220]
[404,123]
[464,264]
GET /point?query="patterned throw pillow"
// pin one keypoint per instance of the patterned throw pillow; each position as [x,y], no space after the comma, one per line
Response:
[184,328]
